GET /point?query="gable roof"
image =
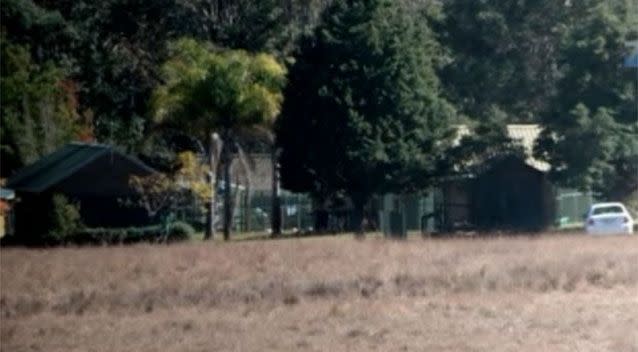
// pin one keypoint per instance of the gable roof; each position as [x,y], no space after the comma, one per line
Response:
[54,168]
[525,134]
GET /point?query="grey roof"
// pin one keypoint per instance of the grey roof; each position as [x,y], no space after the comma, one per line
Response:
[54,168]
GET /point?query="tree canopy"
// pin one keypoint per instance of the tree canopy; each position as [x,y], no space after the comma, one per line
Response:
[591,124]
[374,85]
[364,112]
[226,91]
[206,89]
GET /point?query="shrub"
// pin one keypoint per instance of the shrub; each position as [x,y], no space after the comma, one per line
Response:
[180,231]
[118,235]
[65,220]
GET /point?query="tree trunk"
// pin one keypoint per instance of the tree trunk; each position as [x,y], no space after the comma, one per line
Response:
[236,204]
[228,211]
[275,214]
[358,215]
[321,215]
[211,206]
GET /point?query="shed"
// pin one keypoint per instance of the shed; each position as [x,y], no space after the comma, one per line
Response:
[504,192]
[94,176]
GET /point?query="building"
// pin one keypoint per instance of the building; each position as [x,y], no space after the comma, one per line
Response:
[6,214]
[96,177]
[504,192]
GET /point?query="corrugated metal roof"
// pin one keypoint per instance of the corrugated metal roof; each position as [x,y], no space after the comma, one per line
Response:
[525,134]
[53,168]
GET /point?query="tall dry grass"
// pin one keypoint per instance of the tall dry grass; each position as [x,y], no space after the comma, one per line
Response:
[144,278]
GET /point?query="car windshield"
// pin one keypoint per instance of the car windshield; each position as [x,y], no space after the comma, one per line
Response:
[610,209]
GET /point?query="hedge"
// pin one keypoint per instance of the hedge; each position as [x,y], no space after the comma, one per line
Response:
[178,231]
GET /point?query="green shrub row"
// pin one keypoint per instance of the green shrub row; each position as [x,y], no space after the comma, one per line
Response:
[177,231]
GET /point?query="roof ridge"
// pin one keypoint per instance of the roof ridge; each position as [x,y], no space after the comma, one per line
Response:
[42,165]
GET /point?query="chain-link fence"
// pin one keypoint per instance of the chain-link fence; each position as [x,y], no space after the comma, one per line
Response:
[254,212]
[571,207]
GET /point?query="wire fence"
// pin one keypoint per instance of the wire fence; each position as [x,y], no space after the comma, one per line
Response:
[254,212]
[571,207]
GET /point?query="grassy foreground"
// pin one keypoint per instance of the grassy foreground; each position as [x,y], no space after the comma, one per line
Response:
[548,293]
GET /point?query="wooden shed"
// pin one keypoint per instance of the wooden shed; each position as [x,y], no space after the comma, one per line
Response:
[507,192]
[94,176]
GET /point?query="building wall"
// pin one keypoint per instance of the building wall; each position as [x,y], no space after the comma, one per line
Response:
[512,196]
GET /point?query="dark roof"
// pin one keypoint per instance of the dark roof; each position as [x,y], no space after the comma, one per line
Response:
[54,168]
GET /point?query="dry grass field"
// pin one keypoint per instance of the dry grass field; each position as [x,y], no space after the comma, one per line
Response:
[548,293]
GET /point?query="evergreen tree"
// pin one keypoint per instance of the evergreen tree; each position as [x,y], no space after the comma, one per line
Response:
[38,113]
[591,129]
[502,54]
[363,113]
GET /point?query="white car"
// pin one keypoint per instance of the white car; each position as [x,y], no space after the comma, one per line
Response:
[609,218]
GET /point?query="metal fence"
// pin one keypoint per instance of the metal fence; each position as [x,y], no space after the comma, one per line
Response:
[571,207]
[425,212]
[254,212]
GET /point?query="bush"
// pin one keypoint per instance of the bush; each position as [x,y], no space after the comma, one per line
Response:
[178,231]
[65,220]
[118,235]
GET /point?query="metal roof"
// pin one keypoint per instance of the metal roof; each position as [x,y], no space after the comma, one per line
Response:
[525,134]
[7,194]
[53,168]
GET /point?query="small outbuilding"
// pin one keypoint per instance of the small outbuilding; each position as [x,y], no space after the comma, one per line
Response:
[94,176]
[508,192]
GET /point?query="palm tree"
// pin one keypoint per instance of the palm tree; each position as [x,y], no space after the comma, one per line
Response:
[218,95]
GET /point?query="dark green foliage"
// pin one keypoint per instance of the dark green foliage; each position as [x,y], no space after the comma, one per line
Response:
[113,48]
[363,112]
[180,231]
[177,231]
[503,54]
[46,32]
[65,219]
[38,111]
[591,136]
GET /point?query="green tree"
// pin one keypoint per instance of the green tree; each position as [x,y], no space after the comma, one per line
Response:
[363,112]
[228,91]
[502,54]
[591,132]
[65,220]
[38,112]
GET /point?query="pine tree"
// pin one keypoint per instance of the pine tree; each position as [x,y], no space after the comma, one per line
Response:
[363,113]
[591,131]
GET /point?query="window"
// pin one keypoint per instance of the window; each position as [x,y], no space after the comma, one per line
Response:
[611,209]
